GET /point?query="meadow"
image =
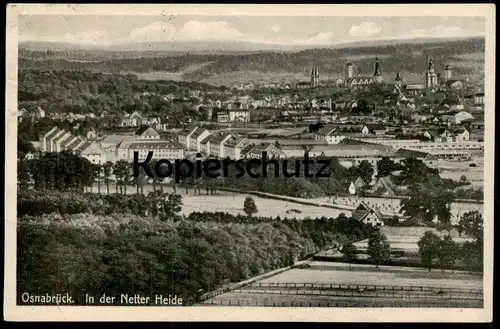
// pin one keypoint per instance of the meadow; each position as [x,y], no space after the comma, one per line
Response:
[326,284]
[233,204]
[351,274]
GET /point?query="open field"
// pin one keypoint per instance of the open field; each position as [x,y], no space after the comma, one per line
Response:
[406,238]
[327,284]
[233,204]
[339,273]
[273,207]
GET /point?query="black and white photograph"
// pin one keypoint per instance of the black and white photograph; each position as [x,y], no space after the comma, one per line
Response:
[250,162]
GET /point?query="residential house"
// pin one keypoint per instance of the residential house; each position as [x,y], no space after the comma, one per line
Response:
[183,137]
[146,133]
[91,134]
[206,144]
[356,185]
[433,136]
[56,141]
[195,138]
[44,139]
[217,145]
[272,151]
[39,113]
[239,115]
[367,215]
[222,116]
[133,120]
[233,146]
[479,99]
[331,134]
[91,152]
[384,186]
[462,135]
[29,156]
[373,129]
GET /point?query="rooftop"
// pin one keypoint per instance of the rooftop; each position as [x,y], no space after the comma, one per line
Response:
[143,129]
[148,145]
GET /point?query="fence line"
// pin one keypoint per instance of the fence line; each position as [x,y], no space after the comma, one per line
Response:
[352,293]
[263,303]
[241,284]
[325,286]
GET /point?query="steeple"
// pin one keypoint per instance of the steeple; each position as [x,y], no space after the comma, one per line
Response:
[399,77]
[430,76]
[431,65]
[377,75]
[314,76]
[377,68]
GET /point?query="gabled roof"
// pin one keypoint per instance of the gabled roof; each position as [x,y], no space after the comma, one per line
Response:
[433,133]
[209,138]
[386,183]
[68,141]
[64,136]
[55,132]
[234,141]
[364,210]
[247,149]
[143,129]
[430,157]
[198,131]
[326,130]
[186,132]
[82,147]
[75,143]
[220,137]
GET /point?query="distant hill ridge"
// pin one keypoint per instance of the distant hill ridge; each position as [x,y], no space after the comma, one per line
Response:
[232,64]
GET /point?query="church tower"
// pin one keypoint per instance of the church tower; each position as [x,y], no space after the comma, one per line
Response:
[314,77]
[399,79]
[348,72]
[430,75]
[447,73]
[377,75]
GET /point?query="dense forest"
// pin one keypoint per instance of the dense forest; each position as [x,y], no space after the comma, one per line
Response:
[86,92]
[95,244]
[410,57]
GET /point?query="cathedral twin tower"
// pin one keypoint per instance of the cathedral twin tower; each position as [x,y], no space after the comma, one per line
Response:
[431,78]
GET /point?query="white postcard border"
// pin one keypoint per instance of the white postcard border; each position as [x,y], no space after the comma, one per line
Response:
[129,313]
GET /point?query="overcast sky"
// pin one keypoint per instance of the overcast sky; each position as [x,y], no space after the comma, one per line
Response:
[108,30]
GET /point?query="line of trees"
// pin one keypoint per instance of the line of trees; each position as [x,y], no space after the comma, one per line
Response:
[432,247]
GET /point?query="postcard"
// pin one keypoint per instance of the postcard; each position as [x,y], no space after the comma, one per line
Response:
[304,163]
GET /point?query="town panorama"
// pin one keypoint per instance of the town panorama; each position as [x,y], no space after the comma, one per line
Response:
[400,120]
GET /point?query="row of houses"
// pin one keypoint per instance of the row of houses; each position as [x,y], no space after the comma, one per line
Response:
[223,145]
[58,140]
